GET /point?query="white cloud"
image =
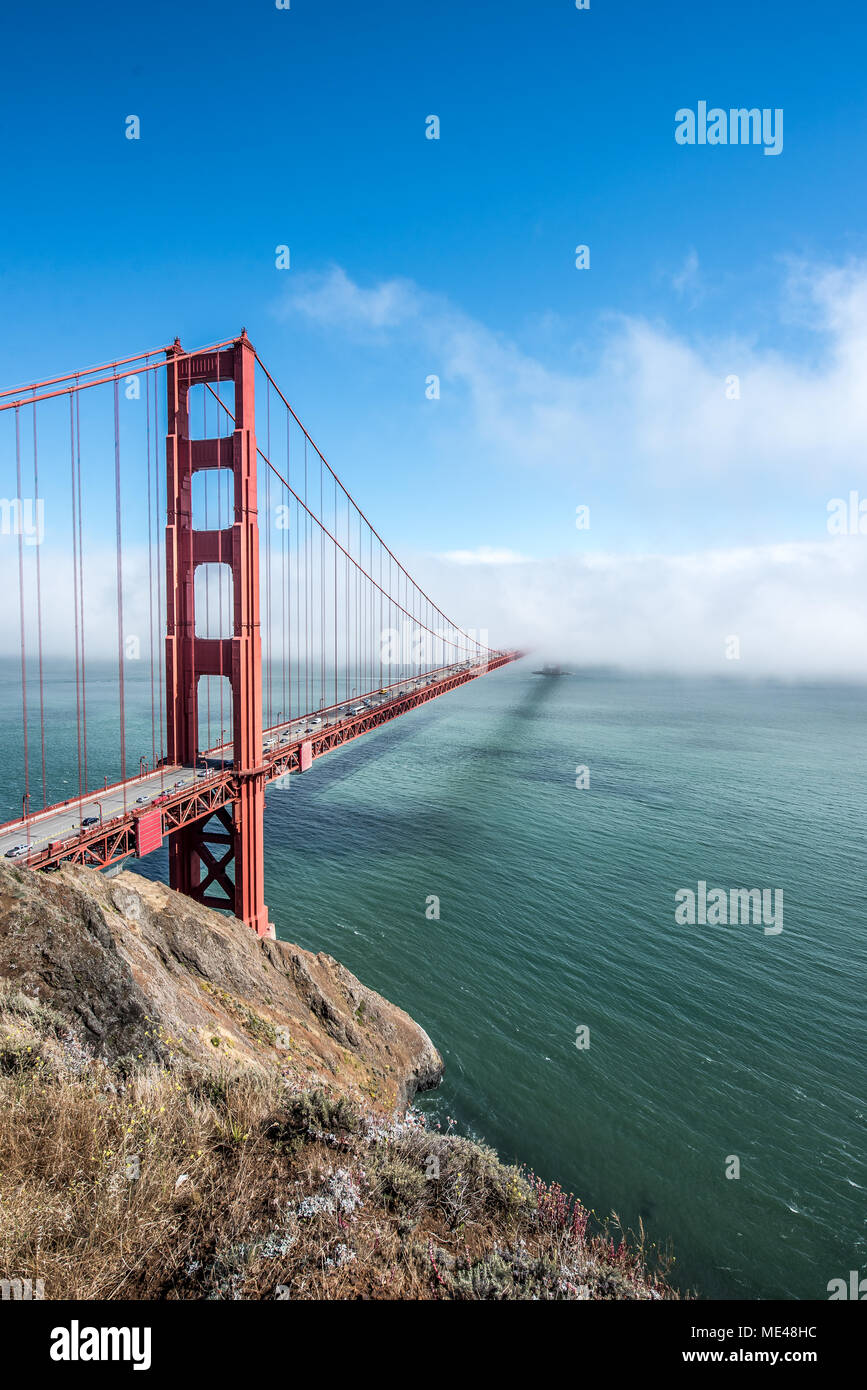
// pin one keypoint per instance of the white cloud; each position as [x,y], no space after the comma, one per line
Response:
[651,412]
[796,609]
[484,555]
[688,281]
[337,302]
[654,405]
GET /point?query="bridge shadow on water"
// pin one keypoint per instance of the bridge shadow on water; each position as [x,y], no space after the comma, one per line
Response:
[308,818]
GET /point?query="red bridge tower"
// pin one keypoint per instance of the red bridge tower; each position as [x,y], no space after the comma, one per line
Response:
[200,854]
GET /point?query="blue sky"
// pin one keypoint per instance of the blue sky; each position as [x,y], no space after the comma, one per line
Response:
[560,387]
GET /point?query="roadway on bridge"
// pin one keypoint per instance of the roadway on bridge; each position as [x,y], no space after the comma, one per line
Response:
[76,818]
[62,822]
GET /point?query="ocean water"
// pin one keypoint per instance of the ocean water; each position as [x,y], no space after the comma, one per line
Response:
[557,911]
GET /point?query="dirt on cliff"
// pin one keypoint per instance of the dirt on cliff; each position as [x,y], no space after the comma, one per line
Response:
[145,974]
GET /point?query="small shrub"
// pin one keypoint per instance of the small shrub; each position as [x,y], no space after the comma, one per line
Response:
[400,1185]
[314,1113]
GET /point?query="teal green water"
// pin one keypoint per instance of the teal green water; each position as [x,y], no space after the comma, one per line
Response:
[557,910]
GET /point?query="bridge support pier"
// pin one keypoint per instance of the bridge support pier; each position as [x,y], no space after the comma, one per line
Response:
[220,861]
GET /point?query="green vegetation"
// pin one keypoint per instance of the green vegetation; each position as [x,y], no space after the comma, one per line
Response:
[183,1182]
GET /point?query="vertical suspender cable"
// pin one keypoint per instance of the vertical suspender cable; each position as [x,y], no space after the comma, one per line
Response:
[308,534]
[150,572]
[284,641]
[120,653]
[39,610]
[26,801]
[81,588]
[269,656]
[334,548]
[75,599]
[321,589]
[298,606]
[289,539]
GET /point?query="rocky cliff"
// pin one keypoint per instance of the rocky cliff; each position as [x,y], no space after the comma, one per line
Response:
[142,973]
[187,1112]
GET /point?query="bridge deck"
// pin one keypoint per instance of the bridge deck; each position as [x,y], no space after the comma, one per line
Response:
[183,795]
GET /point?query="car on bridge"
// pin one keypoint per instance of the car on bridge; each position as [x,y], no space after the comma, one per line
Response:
[90,820]
[16,851]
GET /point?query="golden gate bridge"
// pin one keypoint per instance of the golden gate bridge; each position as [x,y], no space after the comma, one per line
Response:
[324,596]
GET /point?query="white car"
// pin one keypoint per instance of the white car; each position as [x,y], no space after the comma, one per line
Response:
[16,851]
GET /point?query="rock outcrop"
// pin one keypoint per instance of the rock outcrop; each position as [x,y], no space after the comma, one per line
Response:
[191,1113]
[142,972]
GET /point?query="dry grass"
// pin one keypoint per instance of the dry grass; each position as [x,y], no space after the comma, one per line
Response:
[186,1183]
